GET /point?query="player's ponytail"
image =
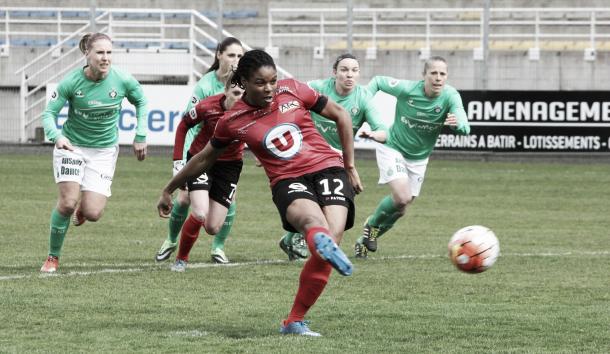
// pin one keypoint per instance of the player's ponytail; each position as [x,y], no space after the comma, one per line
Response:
[86,42]
[222,46]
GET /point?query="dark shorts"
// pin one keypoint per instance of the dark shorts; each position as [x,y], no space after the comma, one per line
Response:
[330,186]
[221,181]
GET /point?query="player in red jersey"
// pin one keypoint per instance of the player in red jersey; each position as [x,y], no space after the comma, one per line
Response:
[212,192]
[312,185]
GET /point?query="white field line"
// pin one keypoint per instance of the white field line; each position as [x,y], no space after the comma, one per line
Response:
[134,268]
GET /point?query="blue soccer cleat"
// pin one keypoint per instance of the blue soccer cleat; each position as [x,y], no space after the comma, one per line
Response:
[299,328]
[330,252]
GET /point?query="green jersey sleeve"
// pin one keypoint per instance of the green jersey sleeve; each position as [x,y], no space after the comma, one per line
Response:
[371,113]
[196,96]
[49,116]
[457,108]
[390,85]
[135,95]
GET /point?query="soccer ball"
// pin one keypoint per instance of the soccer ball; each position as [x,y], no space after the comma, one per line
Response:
[473,249]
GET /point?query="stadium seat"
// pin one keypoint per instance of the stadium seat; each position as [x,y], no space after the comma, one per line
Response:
[19,13]
[177,15]
[177,45]
[72,43]
[603,46]
[510,45]
[240,14]
[20,42]
[43,13]
[551,15]
[75,14]
[140,15]
[234,15]
[209,14]
[135,45]
[470,15]
[48,42]
[210,45]
[577,15]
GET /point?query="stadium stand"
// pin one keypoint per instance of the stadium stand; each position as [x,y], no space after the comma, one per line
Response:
[394,47]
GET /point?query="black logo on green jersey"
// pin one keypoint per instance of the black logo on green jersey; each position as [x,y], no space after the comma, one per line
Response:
[79,94]
[112,93]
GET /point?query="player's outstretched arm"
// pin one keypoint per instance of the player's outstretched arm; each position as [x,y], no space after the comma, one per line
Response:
[197,165]
[336,113]
[379,136]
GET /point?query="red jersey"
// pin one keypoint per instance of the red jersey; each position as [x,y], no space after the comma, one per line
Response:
[282,135]
[207,112]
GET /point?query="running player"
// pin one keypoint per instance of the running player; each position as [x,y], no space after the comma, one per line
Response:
[211,193]
[422,108]
[86,148]
[312,185]
[342,88]
[228,53]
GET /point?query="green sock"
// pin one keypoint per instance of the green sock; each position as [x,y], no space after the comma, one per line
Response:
[288,237]
[176,220]
[221,236]
[59,227]
[385,215]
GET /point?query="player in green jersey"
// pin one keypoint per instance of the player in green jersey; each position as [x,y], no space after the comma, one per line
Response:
[86,148]
[342,88]
[228,53]
[422,109]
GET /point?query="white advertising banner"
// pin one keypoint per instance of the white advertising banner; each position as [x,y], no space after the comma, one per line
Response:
[165,106]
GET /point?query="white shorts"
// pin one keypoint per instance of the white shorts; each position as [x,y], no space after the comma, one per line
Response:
[392,165]
[92,168]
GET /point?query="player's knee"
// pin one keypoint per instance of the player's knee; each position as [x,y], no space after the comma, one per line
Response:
[212,229]
[93,215]
[402,201]
[183,199]
[198,214]
[308,221]
[66,206]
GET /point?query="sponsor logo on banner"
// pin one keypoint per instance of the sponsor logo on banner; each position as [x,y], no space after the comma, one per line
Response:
[533,121]
[166,104]
[521,121]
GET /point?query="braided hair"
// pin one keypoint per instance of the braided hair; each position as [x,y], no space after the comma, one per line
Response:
[249,63]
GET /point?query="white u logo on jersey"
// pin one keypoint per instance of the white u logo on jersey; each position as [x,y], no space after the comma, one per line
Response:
[284,141]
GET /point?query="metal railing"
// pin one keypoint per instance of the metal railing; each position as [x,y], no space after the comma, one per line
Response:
[425,28]
[132,30]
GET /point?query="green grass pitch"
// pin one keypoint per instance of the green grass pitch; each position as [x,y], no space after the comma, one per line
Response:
[549,291]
